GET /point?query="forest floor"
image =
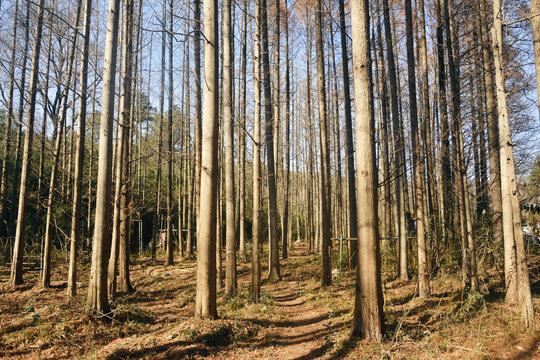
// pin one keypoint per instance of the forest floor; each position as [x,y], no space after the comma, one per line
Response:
[295,319]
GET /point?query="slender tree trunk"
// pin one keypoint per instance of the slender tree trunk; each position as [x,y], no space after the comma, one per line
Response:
[349,134]
[46,276]
[122,153]
[17,262]
[368,318]
[157,216]
[79,158]
[7,140]
[97,302]
[309,126]
[12,216]
[205,304]
[257,213]
[512,230]
[432,211]
[277,117]
[273,271]
[493,127]
[399,146]
[535,22]
[228,36]
[418,165]
[170,246]
[45,94]
[285,222]
[126,121]
[198,123]
[445,129]
[242,139]
[326,278]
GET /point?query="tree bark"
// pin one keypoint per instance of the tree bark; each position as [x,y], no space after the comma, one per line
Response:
[535,22]
[351,180]
[97,302]
[18,247]
[399,146]
[46,275]
[493,126]
[170,243]
[255,260]
[242,139]
[273,271]
[368,318]
[9,117]
[326,277]
[230,280]
[418,165]
[205,304]
[512,230]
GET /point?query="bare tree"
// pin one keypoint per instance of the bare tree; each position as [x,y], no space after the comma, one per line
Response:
[46,275]
[17,262]
[273,271]
[205,304]
[97,301]
[418,165]
[326,278]
[230,280]
[9,117]
[512,230]
[399,145]
[170,252]
[79,157]
[255,262]
[535,21]
[368,316]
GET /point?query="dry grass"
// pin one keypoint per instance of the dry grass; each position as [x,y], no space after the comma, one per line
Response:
[295,319]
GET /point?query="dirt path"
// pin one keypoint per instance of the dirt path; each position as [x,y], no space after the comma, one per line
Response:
[299,329]
[304,330]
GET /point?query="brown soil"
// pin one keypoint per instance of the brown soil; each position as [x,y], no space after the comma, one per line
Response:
[295,319]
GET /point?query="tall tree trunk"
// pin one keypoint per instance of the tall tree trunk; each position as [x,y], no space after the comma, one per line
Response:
[17,262]
[273,271]
[418,164]
[157,215]
[285,222]
[97,301]
[277,116]
[326,278]
[309,128]
[351,180]
[257,213]
[399,146]
[228,36]
[242,139]
[79,159]
[446,174]
[205,304]
[368,318]
[7,140]
[126,121]
[11,217]
[46,275]
[512,230]
[535,22]
[170,246]
[432,211]
[122,154]
[195,197]
[493,127]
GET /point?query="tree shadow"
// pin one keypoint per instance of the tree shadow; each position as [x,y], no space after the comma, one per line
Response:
[530,352]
